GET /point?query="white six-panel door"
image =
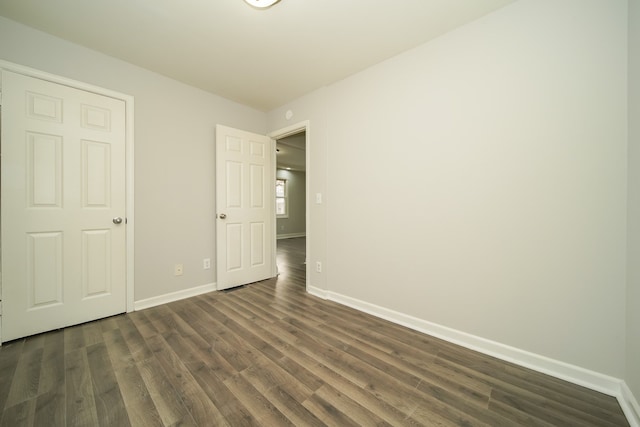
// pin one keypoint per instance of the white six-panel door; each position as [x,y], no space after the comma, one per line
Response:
[245,207]
[63,206]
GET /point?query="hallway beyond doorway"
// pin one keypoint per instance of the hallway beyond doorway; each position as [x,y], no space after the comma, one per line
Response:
[290,259]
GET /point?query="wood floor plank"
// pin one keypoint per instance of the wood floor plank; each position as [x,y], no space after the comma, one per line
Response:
[266,374]
[244,329]
[302,375]
[110,407]
[472,403]
[34,342]
[549,411]
[139,405]
[498,379]
[292,367]
[270,354]
[26,379]
[292,408]
[230,408]
[343,404]
[352,369]
[259,406]
[9,358]
[52,370]
[108,324]
[195,399]
[51,407]
[74,338]
[424,415]
[51,400]
[117,349]
[92,333]
[206,343]
[415,367]
[168,322]
[143,324]
[170,407]
[135,395]
[80,402]
[518,417]
[20,414]
[325,374]
[240,306]
[269,303]
[274,341]
[135,342]
[234,350]
[330,415]
[468,407]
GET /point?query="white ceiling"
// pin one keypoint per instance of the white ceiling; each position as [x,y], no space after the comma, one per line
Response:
[261,58]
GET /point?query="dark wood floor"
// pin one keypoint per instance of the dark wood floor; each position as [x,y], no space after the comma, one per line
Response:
[269,354]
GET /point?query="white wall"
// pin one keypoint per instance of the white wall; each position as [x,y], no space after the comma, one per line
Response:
[174,154]
[479,181]
[312,107]
[632,376]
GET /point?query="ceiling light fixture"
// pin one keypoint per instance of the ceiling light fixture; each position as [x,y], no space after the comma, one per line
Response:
[261,4]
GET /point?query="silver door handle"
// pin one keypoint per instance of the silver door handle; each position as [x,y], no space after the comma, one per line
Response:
[222,216]
[117,220]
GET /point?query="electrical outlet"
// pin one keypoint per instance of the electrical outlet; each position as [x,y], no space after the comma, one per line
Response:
[178,270]
[318,267]
[206,263]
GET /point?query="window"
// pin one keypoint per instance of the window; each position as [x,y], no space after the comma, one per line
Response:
[282,203]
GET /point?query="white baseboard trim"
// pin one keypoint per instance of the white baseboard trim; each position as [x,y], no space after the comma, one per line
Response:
[629,405]
[290,236]
[174,296]
[590,379]
[320,293]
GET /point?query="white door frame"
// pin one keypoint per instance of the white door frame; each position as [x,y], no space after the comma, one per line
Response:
[304,126]
[129,163]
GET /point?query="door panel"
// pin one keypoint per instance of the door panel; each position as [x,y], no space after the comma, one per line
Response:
[258,249]
[63,182]
[245,207]
[44,170]
[96,174]
[96,263]
[44,270]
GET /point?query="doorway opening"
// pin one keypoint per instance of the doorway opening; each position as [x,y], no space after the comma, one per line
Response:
[291,186]
[292,212]
[291,204]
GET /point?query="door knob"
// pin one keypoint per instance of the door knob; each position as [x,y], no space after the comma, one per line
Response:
[223,216]
[117,220]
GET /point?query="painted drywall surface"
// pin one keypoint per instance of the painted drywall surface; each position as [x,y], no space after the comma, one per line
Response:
[295,223]
[311,108]
[174,154]
[632,376]
[479,181]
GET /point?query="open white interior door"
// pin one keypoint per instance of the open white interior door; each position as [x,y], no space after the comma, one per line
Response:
[63,206]
[245,180]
